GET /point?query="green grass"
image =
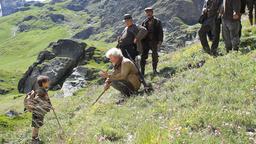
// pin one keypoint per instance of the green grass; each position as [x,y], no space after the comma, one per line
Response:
[214,103]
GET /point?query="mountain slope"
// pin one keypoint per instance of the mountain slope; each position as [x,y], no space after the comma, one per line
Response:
[197,99]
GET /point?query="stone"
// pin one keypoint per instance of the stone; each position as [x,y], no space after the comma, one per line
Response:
[56,64]
[69,48]
[45,55]
[28,18]
[77,80]
[84,34]
[39,4]
[23,27]
[3,91]
[12,113]
[56,18]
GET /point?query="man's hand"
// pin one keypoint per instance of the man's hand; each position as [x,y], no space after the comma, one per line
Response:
[103,74]
[236,16]
[204,10]
[159,45]
[107,84]
[135,40]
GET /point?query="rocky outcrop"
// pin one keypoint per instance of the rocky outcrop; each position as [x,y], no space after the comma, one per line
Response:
[28,18]
[11,6]
[56,18]
[173,14]
[58,64]
[23,27]
[77,80]
[3,91]
[77,5]
[12,113]
[84,34]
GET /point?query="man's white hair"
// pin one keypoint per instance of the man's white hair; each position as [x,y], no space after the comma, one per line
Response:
[114,52]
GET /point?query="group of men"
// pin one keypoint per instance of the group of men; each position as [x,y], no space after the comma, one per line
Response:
[135,41]
[138,40]
[228,14]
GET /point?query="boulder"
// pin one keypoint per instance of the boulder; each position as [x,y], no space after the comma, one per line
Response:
[56,69]
[57,65]
[23,27]
[28,18]
[68,48]
[51,9]
[84,34]
[77,5]
[77,80]
[45,55]
[56,1]
[23,8]
[39,4]
[12,113]
[88,55]
[3,91]
[56,18]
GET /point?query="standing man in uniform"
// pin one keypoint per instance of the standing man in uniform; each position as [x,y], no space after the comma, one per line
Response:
[130,40]
[210,23]
[231,21]
[153,40]
[251,5]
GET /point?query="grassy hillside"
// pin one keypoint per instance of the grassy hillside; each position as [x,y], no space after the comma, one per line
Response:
[193,102]
[197,98]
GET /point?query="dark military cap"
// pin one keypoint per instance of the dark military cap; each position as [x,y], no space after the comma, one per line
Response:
[127,16]
[149,9]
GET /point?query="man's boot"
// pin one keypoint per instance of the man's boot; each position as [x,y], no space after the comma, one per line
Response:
[251,21]
[35,140]
[155,69]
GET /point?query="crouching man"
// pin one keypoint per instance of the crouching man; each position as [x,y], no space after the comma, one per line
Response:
[124,77]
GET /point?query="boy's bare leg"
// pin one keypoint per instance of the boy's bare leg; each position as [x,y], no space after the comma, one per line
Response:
[35,132]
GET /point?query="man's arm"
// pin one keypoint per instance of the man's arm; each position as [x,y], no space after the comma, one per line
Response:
[142,33]
[123,74]
[204,10]
[160,32]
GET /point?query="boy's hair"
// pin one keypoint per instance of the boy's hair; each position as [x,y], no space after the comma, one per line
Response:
[42,79]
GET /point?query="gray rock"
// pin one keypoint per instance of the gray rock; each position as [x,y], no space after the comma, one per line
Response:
[77,5]
[12,113]
[58,65]
[45,55]
[3,91]
[28,18]
[23,27]
[69,48]
[77,80]
[56,69]
[56,18]
[2,80]
[84,34]
[39,4]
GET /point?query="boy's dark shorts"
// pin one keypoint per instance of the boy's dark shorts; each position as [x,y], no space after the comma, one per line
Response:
[37,120]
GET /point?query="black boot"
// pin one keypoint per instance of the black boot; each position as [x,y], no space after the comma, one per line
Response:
[35,140]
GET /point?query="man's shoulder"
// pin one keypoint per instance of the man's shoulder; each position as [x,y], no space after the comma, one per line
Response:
[127,61]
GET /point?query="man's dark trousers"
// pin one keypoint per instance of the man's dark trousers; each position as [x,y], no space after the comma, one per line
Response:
[149,45]
[124,87]
[210,25]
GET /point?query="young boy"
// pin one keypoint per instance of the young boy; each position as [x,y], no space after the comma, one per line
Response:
[42,106]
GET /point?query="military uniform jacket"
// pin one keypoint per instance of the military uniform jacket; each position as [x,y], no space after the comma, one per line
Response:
[155,29]
[129,34]
[231,6]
